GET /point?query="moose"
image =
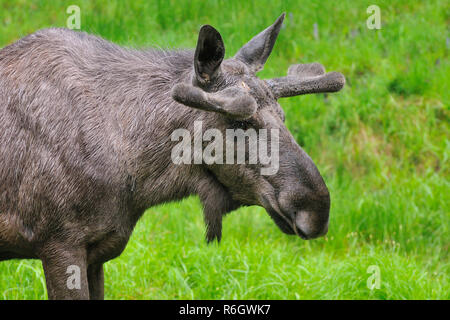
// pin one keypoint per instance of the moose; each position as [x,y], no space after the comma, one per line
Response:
[85,145]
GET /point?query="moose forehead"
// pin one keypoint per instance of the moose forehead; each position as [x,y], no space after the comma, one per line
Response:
[237,73]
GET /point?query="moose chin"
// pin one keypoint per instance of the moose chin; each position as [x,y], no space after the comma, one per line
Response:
[85,145]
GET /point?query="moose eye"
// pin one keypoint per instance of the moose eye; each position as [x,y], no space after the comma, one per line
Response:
[246,124]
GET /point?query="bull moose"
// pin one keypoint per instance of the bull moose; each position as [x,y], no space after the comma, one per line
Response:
[85,145]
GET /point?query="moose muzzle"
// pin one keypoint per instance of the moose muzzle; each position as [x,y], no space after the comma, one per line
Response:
[310,224]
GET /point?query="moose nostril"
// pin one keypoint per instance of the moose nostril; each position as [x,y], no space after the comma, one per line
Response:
[303,221]
[311,224]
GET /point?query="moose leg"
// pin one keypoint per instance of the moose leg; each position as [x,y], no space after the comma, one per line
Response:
[65,273]
[96,281]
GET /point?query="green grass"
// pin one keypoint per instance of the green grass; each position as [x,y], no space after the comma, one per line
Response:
[382,145]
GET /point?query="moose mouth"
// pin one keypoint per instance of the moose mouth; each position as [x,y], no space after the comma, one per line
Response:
[301,220]
[285,221]
[282,221]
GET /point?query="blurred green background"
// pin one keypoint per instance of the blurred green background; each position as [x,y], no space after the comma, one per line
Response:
[382,145]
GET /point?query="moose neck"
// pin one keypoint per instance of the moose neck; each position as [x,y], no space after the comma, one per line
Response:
[142,128]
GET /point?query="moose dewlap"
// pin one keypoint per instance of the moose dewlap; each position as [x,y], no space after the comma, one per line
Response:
[86,147]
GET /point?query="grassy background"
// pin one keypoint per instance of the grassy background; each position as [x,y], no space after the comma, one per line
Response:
[382,145]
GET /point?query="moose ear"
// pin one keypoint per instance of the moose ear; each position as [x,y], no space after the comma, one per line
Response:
[258,49]
[209,54]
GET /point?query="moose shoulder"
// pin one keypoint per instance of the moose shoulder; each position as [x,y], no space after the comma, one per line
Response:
[85,145]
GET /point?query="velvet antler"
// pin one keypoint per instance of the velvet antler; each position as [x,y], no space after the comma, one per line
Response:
[232,102]
[304,79]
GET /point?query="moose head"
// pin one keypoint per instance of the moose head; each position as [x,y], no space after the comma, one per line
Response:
[295,195]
